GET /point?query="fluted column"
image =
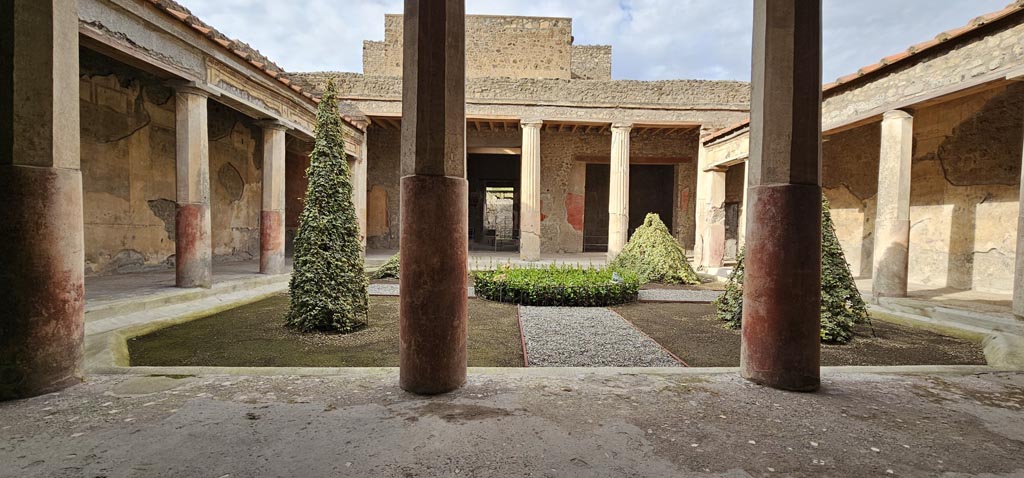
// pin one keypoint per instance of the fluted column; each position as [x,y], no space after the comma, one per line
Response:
[892,221]
[529,203]
[618,194]
[42,262]
[434,236]
[193,246]
[272,235]
[781,345]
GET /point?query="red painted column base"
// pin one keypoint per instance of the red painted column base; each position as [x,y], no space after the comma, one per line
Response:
[42,276]
[433,298]
[782,288]
[193,257]
[272,242]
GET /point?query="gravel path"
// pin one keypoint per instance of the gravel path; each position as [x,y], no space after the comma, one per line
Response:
[587,337]
[392,290]
[679,295]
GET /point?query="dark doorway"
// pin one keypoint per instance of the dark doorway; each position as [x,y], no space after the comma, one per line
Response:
[493,201]
[650,190]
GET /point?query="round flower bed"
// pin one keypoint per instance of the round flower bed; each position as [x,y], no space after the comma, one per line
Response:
[558,286]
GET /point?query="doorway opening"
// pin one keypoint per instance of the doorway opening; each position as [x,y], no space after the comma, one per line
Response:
[651,189]
[494,195]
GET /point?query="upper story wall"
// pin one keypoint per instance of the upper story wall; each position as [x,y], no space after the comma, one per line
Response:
[496,46]
[591,62]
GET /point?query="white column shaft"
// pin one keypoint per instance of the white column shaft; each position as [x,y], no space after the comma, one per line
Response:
[529,203]
[618,194]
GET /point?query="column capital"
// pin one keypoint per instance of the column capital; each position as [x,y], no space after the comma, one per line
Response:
[192,88]
[896,114]
[622,126]
[272,124]
[531,123]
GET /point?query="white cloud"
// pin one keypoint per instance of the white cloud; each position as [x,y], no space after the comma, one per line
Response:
[651,39]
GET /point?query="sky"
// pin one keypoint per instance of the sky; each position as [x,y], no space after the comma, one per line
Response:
[651,39]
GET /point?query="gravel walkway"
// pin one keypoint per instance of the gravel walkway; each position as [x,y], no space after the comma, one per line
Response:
[587,337]
[392,290]
[679,295]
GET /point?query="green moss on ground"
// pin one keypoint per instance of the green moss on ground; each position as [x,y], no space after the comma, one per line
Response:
[253,336]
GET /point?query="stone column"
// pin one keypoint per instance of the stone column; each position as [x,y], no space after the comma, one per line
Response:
[1018,288]
[272,216]
[618,195]
[42,263]
[892,221]
[529,204]
[741,226]
[193,247]
[782,286]
[359,179]
[711,187]
[434,195]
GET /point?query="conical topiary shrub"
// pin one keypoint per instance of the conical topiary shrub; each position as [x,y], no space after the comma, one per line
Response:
[389,269]
[655,256]
[328,285]
[842,307]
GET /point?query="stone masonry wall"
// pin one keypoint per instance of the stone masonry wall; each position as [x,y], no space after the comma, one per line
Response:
[987,56]
[128,173]
[496,46]
[591,62]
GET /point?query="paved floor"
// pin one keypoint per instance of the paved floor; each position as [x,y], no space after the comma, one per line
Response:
[978,301]
[534,422]
[126,286]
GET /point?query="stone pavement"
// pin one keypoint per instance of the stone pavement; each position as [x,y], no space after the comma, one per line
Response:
[520,422]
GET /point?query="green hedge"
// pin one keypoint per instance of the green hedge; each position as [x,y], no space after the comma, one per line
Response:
[558,286]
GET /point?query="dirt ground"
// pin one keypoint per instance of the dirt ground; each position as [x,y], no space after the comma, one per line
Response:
[691,332]
[254,335]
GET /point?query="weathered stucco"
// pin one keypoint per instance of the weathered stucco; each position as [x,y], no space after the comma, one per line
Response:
[964,191]
[128,172]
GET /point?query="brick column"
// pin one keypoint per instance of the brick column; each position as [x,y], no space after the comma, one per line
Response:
[434,195]
[272,215]
[711,226]
[892,221]
[193,247]
[618,195]
[359,179]
[529,204]
[782,286]
[1018,287]
[42,262]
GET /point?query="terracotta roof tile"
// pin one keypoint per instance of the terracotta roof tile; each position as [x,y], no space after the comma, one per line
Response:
[917,49]
[179,14]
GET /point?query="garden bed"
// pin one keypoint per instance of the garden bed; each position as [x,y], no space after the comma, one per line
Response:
[691,332]
[254,335]
[563,286]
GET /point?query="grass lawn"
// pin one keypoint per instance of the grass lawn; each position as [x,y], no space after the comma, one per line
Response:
[254,335]
[691,332]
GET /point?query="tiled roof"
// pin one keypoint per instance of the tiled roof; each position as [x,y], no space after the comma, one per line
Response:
[912,52]
[238,48]
[241,50]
